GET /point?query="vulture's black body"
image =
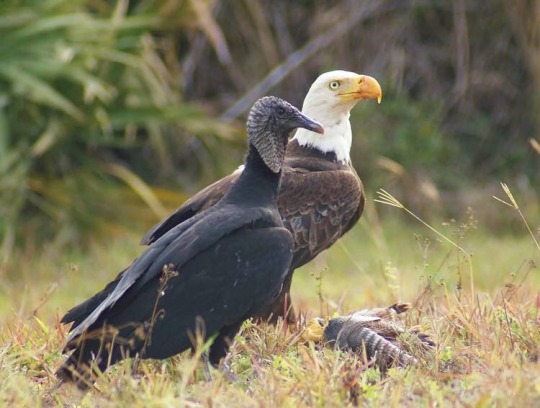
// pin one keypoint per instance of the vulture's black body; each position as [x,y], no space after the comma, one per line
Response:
[223,266]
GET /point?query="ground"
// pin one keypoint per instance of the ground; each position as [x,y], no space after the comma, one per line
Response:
[481,304]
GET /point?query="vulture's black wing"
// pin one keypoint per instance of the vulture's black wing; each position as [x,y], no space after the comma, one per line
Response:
[176,247]
[80,312]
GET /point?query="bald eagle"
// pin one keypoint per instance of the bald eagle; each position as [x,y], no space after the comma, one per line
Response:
[219,268]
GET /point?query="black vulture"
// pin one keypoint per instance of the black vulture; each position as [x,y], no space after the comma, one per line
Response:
[321,196]
[215,270]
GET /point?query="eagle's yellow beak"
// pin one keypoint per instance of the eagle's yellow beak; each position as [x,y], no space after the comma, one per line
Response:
[362,87]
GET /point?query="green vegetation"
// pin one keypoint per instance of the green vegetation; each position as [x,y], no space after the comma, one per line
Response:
[84,90]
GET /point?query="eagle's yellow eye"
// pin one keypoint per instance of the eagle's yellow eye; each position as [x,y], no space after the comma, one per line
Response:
[333,85]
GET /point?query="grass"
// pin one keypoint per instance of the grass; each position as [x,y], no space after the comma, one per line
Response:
[481,303]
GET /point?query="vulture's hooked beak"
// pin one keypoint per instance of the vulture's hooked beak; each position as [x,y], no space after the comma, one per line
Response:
[310,124]
[364,87]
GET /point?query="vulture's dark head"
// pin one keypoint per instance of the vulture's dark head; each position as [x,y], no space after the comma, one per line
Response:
[269,123]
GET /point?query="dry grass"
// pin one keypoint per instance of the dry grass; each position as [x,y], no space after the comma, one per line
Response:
[479,298]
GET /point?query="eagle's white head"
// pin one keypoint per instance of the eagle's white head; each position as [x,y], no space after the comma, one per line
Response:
[329,102]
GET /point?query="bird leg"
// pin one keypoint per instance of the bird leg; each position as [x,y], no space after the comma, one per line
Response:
[224,368]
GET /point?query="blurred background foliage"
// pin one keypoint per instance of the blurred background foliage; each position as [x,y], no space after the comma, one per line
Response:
[113,112]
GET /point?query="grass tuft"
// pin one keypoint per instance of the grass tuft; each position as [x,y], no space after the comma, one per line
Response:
[513,204]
